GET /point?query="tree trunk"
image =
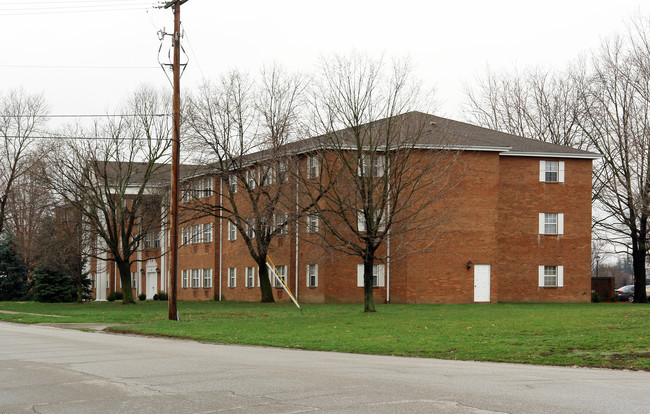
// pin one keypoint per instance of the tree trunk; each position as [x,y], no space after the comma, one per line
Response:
[639,250]
[125,277]
[265,282]
[368,301]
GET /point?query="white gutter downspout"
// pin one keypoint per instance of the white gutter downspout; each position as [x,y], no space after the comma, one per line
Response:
[297,237]
[388,246]
[220,235]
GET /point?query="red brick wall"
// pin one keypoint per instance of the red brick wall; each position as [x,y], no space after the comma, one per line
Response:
[521,249]
[439,273]
[489,216]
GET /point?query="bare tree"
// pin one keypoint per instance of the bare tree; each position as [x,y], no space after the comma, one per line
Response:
[536,104]
[29,204]
[244,129]
[616,121]
[22,116]
[380,175]
[116,177]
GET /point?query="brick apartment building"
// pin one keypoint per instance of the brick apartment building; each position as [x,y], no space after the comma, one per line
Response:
[518,229]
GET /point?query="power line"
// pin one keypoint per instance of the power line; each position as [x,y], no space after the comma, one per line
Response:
[75,67]
[26,13]
[80,115]
[77,138]
[62,2]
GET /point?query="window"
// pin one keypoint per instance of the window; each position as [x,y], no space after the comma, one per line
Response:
[250,228]
[361,221]
[196,280]
[185,279]
[152,240]
[372,165]
[283,172]
[134,280]
[267,175]
[312,222]
[196,234]
[185,232]
[207,278]
[312,275]
[207,187]
[185,193]
[551,171]
[313,167]
[207,232]
[551,223]
[551,276]
[282,272]
[232,231]
[282,223]
[232,277]
[250,277]
[378,279]
[250,179]
[232,182]
[196,189]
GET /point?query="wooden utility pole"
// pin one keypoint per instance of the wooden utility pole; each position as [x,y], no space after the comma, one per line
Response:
[176,151]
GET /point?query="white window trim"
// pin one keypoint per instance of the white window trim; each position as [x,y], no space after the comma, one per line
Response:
[361,222]
[282,272]
[250,179]
[315,267]
[542,172]
[195,234]
[283,171]
[207,232]
[196,284]
[184,279]
[232,183]
[232,231]
[249,283]
[207,186]
[313,166]
[379,269]
[281,221]
[232,277]
[364,165]
[206,273]
[312,222]
[560,277]
[250,229]
[560,223]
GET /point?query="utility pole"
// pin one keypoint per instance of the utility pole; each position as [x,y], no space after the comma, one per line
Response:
[176,150]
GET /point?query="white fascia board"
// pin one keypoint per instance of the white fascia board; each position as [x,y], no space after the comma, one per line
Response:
[134,190]
[550,155]
[379,148]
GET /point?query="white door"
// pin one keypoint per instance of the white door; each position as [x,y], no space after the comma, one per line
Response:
[481,283]
[152,284]
[100,286]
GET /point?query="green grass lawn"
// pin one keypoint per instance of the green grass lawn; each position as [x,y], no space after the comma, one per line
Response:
[611,335]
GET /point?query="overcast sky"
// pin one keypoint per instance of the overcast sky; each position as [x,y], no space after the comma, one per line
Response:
[87,56]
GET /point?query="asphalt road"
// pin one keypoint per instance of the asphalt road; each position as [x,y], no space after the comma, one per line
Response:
[51,370]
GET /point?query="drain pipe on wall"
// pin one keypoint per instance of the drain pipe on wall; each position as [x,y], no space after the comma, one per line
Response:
[297,237]
[220,235]
[388,245]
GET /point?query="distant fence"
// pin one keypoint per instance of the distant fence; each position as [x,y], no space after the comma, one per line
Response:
[604,286]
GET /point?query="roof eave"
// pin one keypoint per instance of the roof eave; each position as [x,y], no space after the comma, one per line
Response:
[586,156]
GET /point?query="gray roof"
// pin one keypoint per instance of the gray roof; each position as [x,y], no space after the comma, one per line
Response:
[434,131]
